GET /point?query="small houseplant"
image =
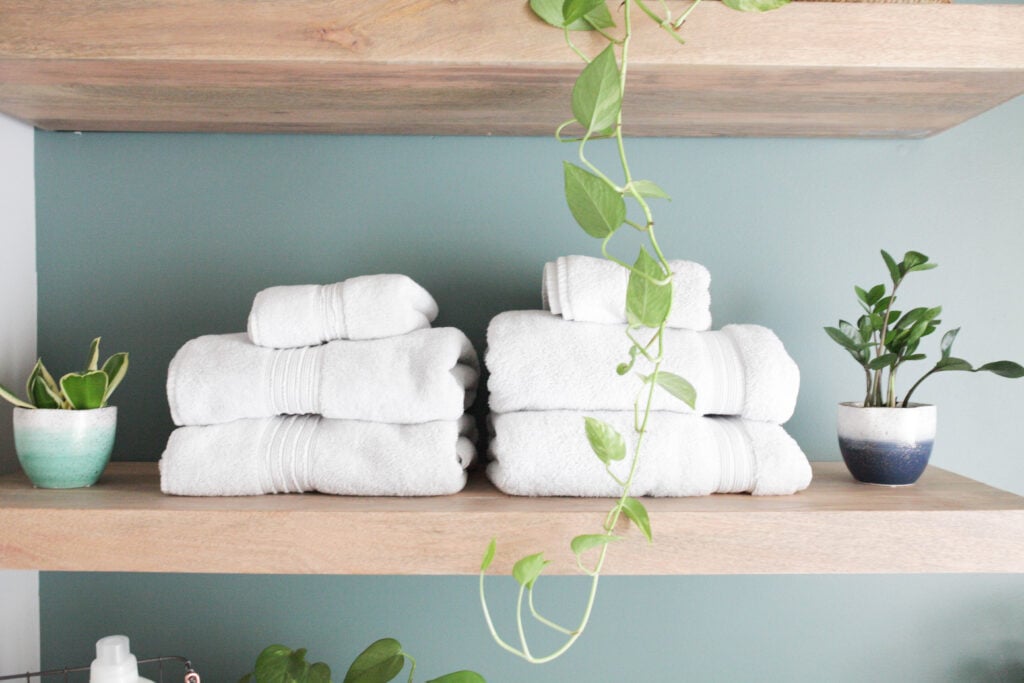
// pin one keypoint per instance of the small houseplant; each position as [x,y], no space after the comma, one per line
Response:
[886,439]
[381,662]
[64,430]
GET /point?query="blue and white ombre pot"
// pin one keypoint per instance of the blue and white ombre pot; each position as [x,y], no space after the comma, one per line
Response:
[64,449]
[887,446]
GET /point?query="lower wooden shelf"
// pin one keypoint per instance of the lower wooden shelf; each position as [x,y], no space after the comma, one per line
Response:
[945,523]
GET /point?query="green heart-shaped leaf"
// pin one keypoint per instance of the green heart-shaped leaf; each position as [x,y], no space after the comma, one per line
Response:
[526,570]
[459,677]
[637,513]
[604,440]
[647,301]
[597,94]
[85,391]
[597,208]
[378,663]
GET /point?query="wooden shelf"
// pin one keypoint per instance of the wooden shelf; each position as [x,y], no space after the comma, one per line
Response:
[946,523]
[490,68]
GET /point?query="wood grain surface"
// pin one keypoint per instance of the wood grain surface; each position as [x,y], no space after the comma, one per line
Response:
[945,523]
[477,67]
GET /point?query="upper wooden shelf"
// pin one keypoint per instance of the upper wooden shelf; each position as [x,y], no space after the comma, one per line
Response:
[489,68]
[945,523]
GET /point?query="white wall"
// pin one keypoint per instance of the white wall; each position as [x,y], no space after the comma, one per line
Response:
[19,591]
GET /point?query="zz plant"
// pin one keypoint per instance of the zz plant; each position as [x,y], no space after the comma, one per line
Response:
[84,390]
[884,338]
[603,206]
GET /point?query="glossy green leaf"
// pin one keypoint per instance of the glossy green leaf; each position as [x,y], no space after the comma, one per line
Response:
[489,555]
[550,11]
[647,188]
[42,396]
[6,394]
[115,368]
[884,361]
[597,94]
[378,663]
[647,303]
[894,268]
[585,542]
[604,440]
[94,356]
[597,208]
[84,391]
[953,364]
[841,338]
[1003,368]
[678,387]
[459,677]
[637,513]
[275,664]
[574,10]
[526,570]
[755,5]
[946,345]
[319,673]
[913,259]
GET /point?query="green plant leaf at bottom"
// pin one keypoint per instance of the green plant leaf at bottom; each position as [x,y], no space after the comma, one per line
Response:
[85,390]
[378,663]
[637,513]
[459,677]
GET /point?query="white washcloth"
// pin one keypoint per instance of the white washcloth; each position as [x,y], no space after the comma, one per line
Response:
[546,453]
[422,376]
[591,289]
[310,453]
[365,307]
[538,361]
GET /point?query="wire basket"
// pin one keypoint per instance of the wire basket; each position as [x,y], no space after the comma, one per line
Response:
[80,674]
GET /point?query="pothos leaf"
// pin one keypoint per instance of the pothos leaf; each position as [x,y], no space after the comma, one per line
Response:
[678,387]
[637,513]
[489,555]
[378,663]
[597,208]
[550,11]
[585,542]
[647,302]
[755,5]
[459,677]
[526,570]
[607,444]
[597,94]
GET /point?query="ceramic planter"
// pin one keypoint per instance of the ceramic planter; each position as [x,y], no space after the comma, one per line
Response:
[64,449]
[888,446]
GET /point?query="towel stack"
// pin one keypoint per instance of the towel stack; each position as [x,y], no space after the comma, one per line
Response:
[342,389]
[550,369]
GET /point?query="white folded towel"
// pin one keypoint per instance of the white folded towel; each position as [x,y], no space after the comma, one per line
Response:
[422,376]
[365,307]
[591,289]
[310,453]
[546,453]
[537,361]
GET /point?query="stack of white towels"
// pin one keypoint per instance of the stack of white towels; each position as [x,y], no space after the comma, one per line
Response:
[342,389]
[550,368]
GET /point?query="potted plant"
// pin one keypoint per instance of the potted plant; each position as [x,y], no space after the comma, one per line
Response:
[381,662]
[64,431]
[885,439]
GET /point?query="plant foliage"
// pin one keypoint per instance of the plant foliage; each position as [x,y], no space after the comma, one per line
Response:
[85,390]
[884,337]
[602,206]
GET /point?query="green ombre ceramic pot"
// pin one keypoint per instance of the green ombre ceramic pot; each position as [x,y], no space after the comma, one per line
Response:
[887,446]
[64,449]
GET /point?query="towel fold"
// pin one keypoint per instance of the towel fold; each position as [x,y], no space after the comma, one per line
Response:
[365,307]
[309,453]
[546,453]
[591,289]
[537,361]
[422,376]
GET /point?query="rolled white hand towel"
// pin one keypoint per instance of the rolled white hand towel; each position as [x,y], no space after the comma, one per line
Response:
[546,453]
[422,376]
[538,361]
[591,289]
[309,453]
[364,307]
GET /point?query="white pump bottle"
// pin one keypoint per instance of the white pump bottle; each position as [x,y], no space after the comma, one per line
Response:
[114,662]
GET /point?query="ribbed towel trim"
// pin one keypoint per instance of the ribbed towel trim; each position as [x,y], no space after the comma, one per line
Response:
[736,474]
[286,449]
[294,380]
[724,356]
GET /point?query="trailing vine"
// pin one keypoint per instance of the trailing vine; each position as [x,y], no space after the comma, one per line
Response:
[599,205]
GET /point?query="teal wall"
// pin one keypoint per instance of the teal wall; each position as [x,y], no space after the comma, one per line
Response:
[150,240]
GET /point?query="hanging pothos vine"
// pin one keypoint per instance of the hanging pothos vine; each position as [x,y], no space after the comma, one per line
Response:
[599,205]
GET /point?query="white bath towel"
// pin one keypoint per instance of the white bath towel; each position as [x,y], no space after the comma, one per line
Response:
[538,361]
[546,453]
[591,289]
[364,307]
[422,376]
[310,453]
